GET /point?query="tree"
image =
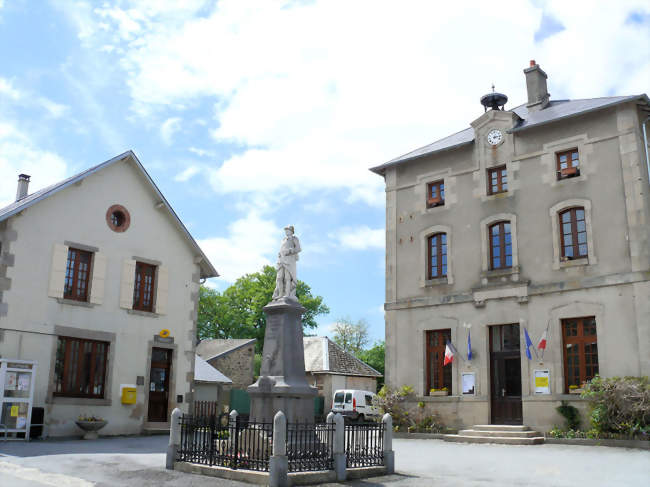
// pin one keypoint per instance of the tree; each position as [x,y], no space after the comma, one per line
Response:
[351,337]
[375,357]
[237,312]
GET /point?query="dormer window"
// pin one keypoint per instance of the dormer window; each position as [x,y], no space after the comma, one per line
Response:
[568,164]
[435,194]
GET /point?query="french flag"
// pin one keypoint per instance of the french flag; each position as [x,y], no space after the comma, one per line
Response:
[450,351]
[542,341]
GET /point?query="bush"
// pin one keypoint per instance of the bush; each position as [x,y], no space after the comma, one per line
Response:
[391,401]
[571,415]
[619,405]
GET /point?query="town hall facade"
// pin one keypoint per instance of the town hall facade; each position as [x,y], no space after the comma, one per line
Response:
[537,219]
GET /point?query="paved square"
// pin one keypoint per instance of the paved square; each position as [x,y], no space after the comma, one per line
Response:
[139,461]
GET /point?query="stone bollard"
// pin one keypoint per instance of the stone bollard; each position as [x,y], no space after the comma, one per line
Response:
[174,439]
[389,454]
[233,417]
[340,460]
[279,463]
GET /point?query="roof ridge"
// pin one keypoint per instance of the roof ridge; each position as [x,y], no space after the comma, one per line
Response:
[351,355]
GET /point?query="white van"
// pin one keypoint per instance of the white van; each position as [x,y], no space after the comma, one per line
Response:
[355,404]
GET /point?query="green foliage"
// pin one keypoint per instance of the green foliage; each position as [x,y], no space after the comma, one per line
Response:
[392,401]
[257,365]
[237,312]
[619,405]
[571,415]
[350,336]
[375,357]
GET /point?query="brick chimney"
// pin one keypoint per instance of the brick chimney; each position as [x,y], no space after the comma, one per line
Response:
[538,96]
[23,186]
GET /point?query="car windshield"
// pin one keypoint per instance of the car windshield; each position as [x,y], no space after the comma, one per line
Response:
[348,398]
[338,397]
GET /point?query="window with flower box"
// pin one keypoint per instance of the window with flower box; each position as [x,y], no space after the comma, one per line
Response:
[568,164]
[435,194]
[438,375]
[580,345]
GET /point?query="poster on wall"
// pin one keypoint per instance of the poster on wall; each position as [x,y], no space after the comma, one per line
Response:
[542,382]
[469,383]
[10,381]
[24,380]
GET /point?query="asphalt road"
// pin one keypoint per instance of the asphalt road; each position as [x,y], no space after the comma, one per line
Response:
[139,461]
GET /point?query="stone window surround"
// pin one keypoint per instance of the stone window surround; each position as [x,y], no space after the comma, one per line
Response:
[549,160]
[171,401]
[420,190]
[108,384]
[485,249]
[578,309]
[512,168]
[554,212]
[424,252]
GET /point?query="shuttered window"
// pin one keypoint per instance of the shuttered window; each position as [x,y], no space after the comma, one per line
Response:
[143,288]
[80,368]
[77,275]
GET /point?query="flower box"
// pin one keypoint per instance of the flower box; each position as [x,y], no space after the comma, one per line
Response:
[431,202]
[90,428]
[578,390]
[569,171]
[438,393]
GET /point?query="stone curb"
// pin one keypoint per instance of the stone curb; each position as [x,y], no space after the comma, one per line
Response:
[419,436]
[642,444]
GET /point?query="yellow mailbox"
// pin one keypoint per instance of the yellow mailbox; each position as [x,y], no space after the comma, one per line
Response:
[128,395]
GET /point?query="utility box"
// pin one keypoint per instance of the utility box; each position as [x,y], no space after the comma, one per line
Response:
[129,395]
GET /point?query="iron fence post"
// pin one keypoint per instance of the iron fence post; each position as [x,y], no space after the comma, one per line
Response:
[174,439]
[279,463]
[389,454]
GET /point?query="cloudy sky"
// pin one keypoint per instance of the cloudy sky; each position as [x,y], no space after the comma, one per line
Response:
[251,115]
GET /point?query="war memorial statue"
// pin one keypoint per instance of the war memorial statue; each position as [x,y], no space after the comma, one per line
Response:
[282,385]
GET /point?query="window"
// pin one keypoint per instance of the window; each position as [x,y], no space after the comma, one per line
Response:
[118,218]
[435,194]
[145,275]
[573,233]
[580,351]
[437,261]
[80,368]
[500,245]
[77,275]
[438,375]
[568,164]
[497,180]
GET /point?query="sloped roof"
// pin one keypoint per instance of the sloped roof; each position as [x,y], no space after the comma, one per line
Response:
[556,110]
[204,372]
[215,347]
[322,355]
[207,270]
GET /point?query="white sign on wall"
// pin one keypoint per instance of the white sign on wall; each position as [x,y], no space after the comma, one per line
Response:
[542,382]
[469,383]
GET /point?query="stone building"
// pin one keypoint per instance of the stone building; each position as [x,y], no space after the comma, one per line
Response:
[233,357]
[330,368]
[99,283]
[534,218]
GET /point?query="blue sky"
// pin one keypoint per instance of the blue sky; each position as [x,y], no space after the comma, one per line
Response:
[258,114]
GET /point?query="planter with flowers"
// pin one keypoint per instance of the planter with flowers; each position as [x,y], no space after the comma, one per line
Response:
[443,391]
[574,389]
[90,424]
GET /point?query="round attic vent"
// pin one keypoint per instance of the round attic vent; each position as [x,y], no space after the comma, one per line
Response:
[118,218]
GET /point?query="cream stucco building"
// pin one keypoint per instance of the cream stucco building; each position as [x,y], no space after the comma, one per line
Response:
[99,284]
[535,217]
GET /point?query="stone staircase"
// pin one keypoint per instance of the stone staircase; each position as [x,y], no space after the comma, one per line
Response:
[498,433]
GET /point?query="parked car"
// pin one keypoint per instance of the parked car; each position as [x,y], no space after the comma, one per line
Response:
[355,405]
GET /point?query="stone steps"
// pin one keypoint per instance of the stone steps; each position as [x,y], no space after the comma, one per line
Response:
[498,433]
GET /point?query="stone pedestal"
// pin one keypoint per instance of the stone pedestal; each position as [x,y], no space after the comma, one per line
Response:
[282,385]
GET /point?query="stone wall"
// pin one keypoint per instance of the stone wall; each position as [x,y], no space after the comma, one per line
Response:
[238,366]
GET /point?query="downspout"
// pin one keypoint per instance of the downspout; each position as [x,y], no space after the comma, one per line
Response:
[645,146]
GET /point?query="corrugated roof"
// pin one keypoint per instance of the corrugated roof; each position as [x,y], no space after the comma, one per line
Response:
[204,372]
[10,210]
[556,110]
[324,356]
[215,347]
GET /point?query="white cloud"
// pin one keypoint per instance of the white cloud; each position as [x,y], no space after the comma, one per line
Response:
[319,91]
[187,174]
[201,152]
[19,154]
[169,128]
[247,247]
[8,90]
[360,238]
[26,98]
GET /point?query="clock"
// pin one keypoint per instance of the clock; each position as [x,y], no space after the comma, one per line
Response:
[494,137]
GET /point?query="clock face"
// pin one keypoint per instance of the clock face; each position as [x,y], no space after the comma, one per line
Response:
[494,137]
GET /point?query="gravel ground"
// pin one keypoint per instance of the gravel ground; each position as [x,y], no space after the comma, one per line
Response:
[139,461]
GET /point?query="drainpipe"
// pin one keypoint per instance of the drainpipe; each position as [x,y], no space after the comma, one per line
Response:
[645,146]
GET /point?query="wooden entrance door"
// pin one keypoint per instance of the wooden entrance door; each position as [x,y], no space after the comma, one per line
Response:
[161,364]
[505,373]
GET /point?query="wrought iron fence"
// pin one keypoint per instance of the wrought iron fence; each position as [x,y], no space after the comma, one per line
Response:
[310,446]
[364,444]
[241,444]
